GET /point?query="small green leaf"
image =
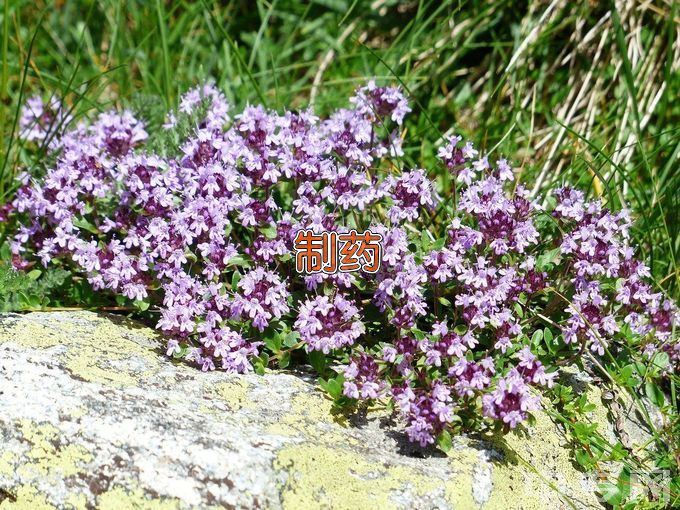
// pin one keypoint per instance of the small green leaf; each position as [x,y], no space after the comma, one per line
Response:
[625,376]
[239,260]
[269,231]
[584,458]
[83,224]
[334,386]
[318,360]
[291,339]
[425,241]
[661,359]
[444,301]
[183,350]
[655,394]
[460,329]
[273,340]
[142,306]
[547,334]
[284,360]
[35,274]
[439,244]
[235,278]
[260,363]
[444,441]
[610,493]
[519,310]
[548,259]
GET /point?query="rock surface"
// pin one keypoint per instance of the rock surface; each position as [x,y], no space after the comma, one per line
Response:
[92,414]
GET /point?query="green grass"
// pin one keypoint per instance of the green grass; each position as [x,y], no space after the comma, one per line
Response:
[573,92]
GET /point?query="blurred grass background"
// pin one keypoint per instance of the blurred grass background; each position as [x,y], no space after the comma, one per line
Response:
[572,91]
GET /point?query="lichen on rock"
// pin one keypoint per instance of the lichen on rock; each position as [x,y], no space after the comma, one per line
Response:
[92,414]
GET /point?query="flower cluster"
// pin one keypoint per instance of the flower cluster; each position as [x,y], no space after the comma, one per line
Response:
[204,233]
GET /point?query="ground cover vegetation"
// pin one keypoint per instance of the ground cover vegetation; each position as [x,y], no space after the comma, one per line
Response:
[158,158]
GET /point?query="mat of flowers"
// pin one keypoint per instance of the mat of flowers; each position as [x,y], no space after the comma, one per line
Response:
[481,294]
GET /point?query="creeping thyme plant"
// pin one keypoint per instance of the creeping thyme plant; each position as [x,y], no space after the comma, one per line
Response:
[483,292]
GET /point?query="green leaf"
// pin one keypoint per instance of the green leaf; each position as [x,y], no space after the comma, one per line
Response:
[35,274]
[142,306]
[425,241]
[547,334]
[183,350]
[617,494]
[444,441]
[460,329]
[655,394]
[83,224]
[537,337]
[318,360]
[269,231]
[444,301]
[583,458]
[549,259]
[584,431]
[611,493]
[284,360]
[625,376]
[273,340]
[439,244]
[334,386]
[291,339]
[235,278]
[260,363]
[661,360]
[519,310]
[239,260]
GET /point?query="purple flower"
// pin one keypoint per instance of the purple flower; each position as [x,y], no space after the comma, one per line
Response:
[262,298]
[511,401]
[326,324]
[411,192]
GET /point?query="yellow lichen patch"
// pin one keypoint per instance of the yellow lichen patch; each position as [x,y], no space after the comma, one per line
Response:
[311,417]
[47,458]
[527,472]
[234,393]
[459,490]
[30,334]
[79,412]
[7,460]
[96,345]
[326,477]
[121,499]
[77,501]
[313,406]
[26,498]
